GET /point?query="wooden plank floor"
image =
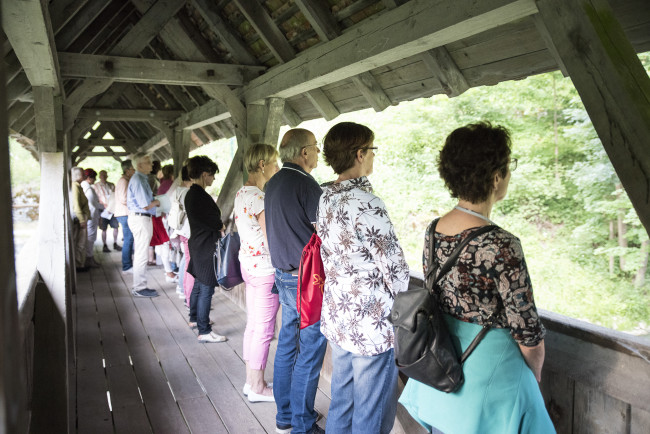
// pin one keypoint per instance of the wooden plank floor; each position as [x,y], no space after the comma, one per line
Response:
[141,369]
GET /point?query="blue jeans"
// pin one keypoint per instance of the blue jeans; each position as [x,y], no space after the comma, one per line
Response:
[364,393]
[181,274]
[200,301]
[296,370]
[127,244]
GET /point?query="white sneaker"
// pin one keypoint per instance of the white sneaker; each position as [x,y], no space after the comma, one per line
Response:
[171,279]
[129,271]
[211,338]
[247,388]
[258,397]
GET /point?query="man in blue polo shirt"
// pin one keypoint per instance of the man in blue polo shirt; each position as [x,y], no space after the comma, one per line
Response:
[142,206]
[290,206]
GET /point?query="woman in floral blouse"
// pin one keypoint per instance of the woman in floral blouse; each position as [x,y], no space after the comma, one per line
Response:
[364,269]
[261,162]
[489,284]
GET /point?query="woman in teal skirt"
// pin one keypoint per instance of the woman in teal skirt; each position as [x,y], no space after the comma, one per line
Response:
[488,284]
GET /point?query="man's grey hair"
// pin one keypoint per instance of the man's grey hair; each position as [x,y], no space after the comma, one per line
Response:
[292,143]
[139,157]
[126,165]
[77,174]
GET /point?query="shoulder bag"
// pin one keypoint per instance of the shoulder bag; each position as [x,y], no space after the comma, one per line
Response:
[311,282]
[225,260]
[423,347]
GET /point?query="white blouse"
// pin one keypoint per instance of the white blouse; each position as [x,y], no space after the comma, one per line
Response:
[254,254]
[364,267]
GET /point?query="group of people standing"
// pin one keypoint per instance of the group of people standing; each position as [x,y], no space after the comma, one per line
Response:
[93,207]
[277,211]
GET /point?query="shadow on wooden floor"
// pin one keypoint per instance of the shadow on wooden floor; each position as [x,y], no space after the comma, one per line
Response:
[141,369]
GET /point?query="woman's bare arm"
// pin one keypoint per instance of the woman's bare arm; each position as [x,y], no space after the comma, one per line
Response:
[262,221]
[534,357]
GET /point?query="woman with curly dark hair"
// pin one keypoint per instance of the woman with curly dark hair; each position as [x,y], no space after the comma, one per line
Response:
[488,285]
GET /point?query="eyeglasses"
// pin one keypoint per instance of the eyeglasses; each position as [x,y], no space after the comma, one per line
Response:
[513,164]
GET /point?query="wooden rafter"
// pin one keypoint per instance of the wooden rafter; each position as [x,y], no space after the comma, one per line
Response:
[141,115]
[135,70]
[35,48]
[417,26]
[151,23]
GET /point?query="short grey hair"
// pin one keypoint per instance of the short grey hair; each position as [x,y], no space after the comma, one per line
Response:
[292,143]
[137,158]
[77,174]
[126,165]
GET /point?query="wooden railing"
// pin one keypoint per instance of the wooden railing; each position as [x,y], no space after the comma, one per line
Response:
[595,380]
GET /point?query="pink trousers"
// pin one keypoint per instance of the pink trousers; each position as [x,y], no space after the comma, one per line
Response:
[188,279]
[261,308]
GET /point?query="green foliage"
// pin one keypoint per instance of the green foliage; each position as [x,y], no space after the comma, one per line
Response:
[25,170]
[560,201]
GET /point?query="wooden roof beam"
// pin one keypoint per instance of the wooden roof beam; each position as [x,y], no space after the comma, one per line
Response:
[125,143]
[327,29]
[154,143]
[209,113]
[34,48]
[237,49]
[410,29]
[130,115]
[84,18]
[266,29]
[151,23]
[323,104]
[443,67]
[136,70]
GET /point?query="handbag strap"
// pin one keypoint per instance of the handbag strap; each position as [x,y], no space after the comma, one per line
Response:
[445,269]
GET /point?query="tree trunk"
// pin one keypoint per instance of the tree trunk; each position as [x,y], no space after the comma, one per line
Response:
[639,280]
[611,238]
[555,135]
[622,228]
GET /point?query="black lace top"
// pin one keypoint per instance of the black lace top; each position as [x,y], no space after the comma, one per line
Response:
[489,278]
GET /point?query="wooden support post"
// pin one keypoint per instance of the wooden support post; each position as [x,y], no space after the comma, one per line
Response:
[613,85]
[51,319]
[180,145]
[13,396]
[263,126]
[45,119]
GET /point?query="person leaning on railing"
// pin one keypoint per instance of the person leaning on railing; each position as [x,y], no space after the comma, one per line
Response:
[488,284]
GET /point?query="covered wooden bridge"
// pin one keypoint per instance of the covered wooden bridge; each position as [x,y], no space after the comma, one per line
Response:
[166,76]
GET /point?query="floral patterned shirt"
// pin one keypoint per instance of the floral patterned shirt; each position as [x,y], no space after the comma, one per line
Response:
[364,267]
[253,254]
[489,278]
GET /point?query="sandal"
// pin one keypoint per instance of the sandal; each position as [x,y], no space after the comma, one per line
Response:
[151,264]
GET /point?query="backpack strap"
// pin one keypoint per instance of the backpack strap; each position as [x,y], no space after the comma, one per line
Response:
[445,269]
[454,255]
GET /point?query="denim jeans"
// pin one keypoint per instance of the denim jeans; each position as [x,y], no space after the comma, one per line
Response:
[127,245]
[200,301]
[364,393]
[181,273]
[296,370]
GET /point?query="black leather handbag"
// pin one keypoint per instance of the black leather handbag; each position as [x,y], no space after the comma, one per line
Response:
[423,347]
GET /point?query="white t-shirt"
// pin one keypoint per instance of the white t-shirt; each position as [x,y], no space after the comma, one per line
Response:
[254,253]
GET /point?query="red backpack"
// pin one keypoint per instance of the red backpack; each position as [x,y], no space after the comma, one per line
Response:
[311,282]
